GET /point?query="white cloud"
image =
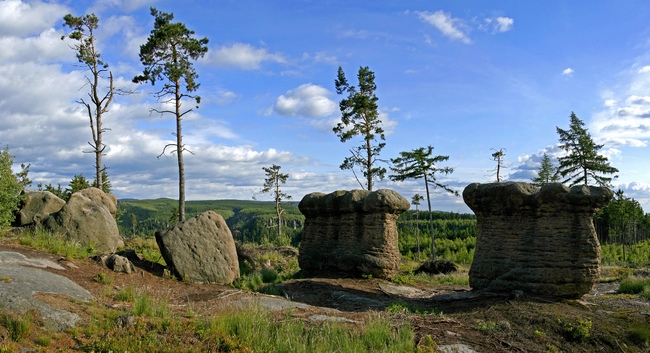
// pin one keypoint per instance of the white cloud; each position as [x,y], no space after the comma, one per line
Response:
[626,118]
[568,72]
[497,24]
[43,48]
[450,27]
[242,56]
[389,125]
[504,24]
[307,100]
[644,70]
[18,18]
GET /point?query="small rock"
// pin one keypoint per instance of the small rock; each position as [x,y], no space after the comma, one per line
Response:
[125,320]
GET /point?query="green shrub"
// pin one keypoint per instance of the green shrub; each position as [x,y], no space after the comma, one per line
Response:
[633,285]
[486,326]
[269,275]
[578,330]
[103,278]
[10,189]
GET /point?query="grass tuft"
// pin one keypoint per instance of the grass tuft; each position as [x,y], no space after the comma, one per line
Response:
[54,243]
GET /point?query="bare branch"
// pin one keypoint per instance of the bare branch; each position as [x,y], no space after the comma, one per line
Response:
[165,148]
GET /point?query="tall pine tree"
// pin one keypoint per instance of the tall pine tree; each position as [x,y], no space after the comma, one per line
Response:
[419,164]
[359,117]
[583,160]
[168,56]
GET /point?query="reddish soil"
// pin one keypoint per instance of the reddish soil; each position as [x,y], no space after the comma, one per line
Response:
[487,324]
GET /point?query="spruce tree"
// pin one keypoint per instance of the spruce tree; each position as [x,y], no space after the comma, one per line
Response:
[583,160]
[546,174]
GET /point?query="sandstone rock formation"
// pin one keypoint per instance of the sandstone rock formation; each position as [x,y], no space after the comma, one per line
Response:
[540,241]
[352,233]
[108,200]
[36,206]
[86,221]
[201,249]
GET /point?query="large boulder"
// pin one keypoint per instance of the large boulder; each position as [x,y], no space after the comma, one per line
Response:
[108,200]
[540,241]
[352,233]
[36,206]
[86,221]
[201,250]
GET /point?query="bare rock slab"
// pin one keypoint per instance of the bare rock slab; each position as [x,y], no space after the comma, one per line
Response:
[540,241]
[353,233]
[201,250]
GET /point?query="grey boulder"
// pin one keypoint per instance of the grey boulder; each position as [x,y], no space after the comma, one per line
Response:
[36,206]
[86,221]
[201,250]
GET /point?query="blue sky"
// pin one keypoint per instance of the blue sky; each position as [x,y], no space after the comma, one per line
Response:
[467,77]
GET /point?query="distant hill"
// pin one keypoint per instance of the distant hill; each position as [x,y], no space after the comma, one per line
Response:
[255,222]
[249,220]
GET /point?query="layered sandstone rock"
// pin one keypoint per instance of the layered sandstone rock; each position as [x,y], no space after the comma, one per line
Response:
[540,241]
[352,233]
[201,249]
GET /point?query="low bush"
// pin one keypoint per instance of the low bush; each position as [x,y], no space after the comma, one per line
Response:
[634,285]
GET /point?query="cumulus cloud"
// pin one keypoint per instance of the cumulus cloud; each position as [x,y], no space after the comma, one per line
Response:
[452,28]
[625,121]
[18,18]
[242,56]
[307,100]
[528,165]
[568,72]
[44,48]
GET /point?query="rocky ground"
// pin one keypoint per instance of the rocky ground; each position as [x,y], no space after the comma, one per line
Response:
[453,317]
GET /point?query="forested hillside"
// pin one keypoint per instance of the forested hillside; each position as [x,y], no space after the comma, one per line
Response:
[254,222]
[249,221]
[623,234]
